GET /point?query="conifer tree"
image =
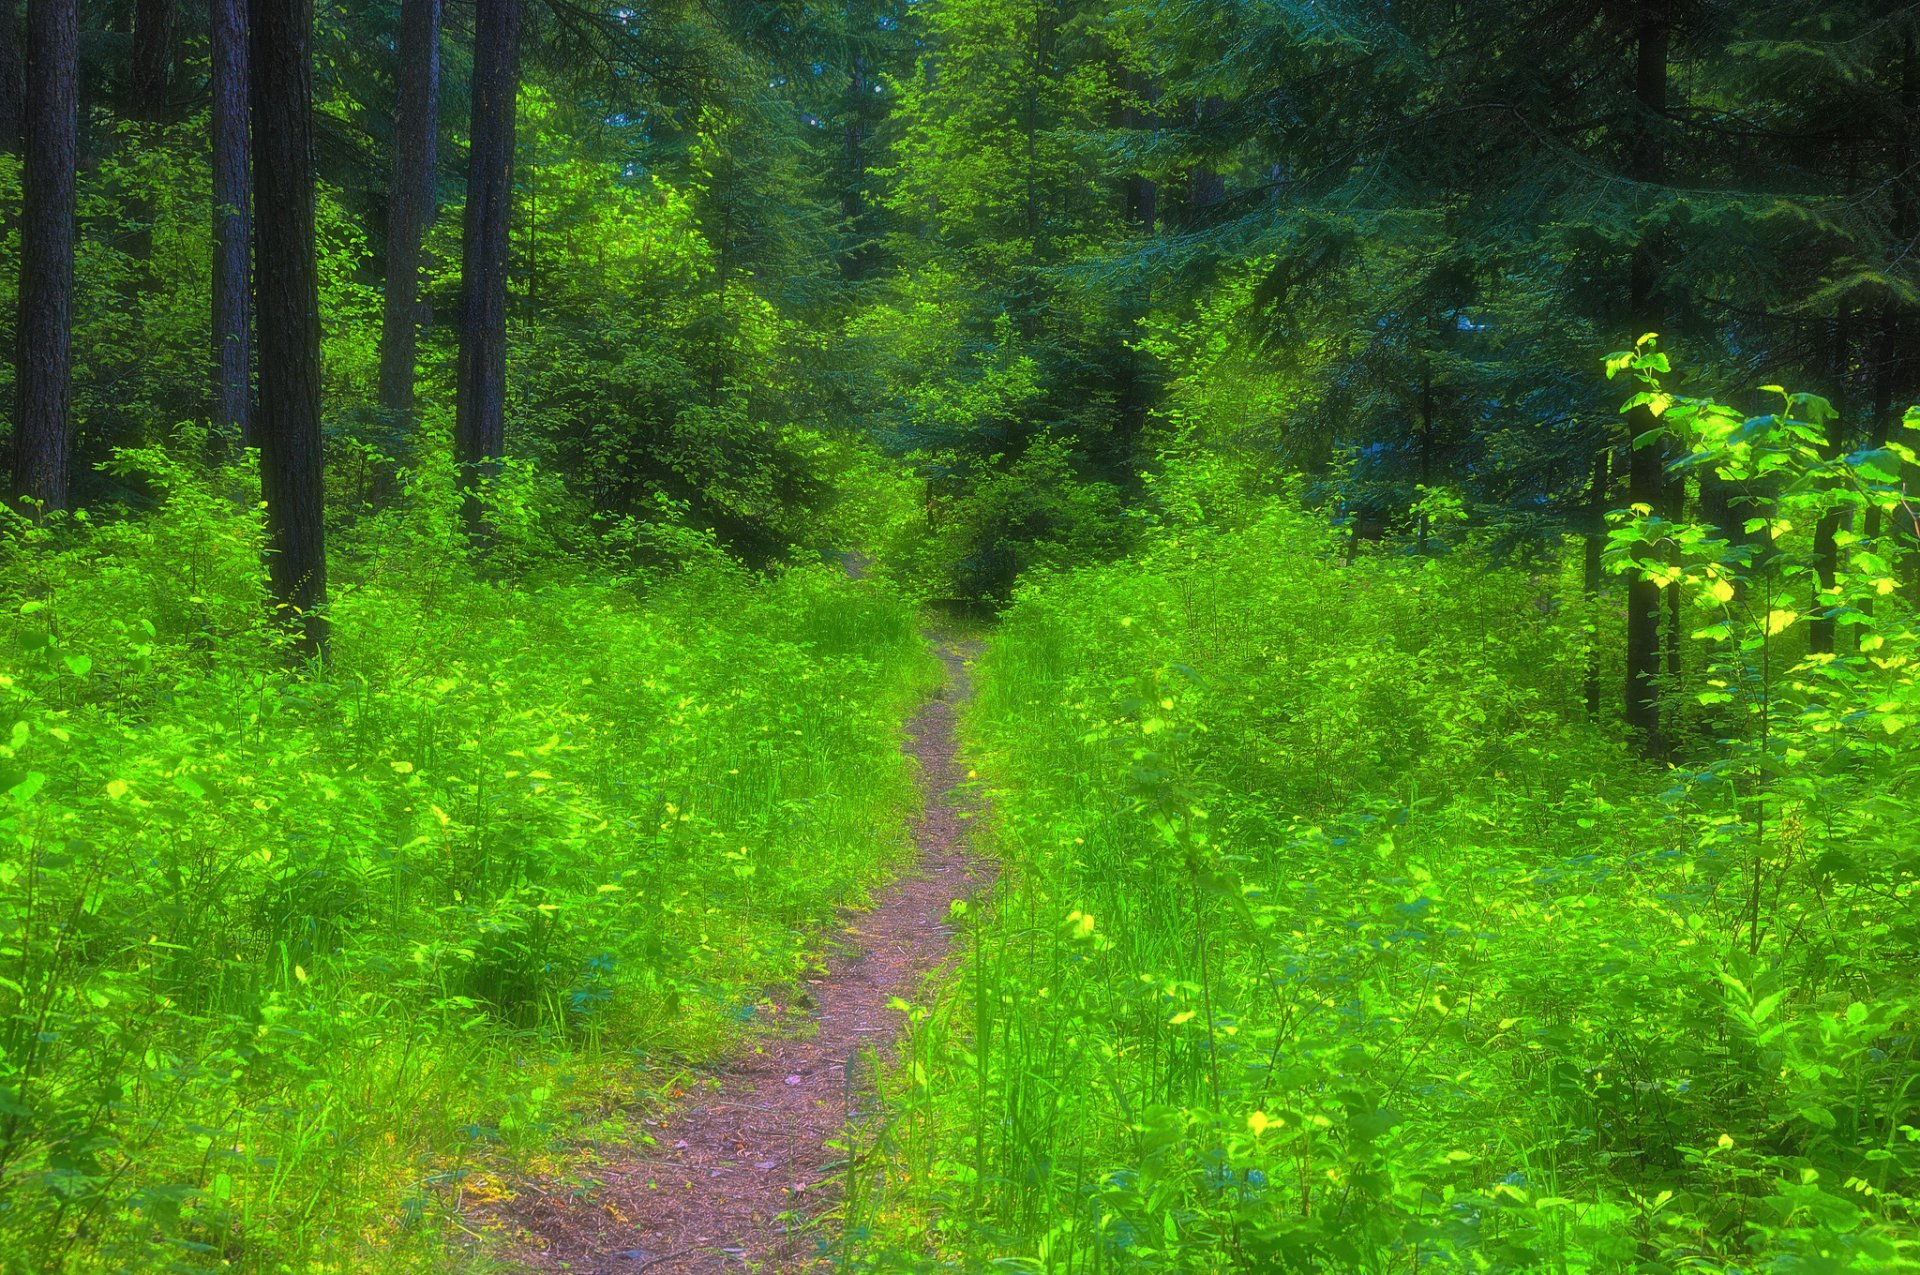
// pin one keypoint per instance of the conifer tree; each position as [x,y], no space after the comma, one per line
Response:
[413,195]
[286,284]
[232,223]
[481,388]
[44,368]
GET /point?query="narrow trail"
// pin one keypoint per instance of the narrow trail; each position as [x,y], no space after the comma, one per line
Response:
[737,1176]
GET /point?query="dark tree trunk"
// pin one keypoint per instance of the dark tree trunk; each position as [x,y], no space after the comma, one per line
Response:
[1141,197]
[416,185]
[1675,511]
[1894,360]
[1421,525]
[1142,194]
[480,404]
[1206,186]
[1596,543]
[1821,629]
[1645,468]
[44,370]
[232,225]
[148,81]
[1899,363]
[1826,563]
[13,80]
[1643,612]
[856,261]
[287,292]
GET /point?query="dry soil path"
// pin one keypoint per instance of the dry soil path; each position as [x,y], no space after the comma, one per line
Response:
[737,1176]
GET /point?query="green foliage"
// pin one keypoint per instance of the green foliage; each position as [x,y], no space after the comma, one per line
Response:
[1335,936]
[1000,496]
[1813,757]
[1340,930]
[291,967]
[650,374]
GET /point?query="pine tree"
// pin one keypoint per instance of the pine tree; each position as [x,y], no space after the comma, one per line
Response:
[413,194]
[286,282]
[13,87]
[232,223]
[44,370]
[481,389]
[149,78]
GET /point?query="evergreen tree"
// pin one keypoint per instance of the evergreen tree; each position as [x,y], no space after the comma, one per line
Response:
[286,287]
[414,195]
[481,389]
[44,366]
[231,287]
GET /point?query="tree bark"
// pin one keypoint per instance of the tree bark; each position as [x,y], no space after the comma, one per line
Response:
[13,80]
[148,80]
[480,401]
[1206,187]
[1141,194]
[1596,543]
[416,185]
[287,297]
[1898,364]
[1646,468]
[1140,198]
[232,225]
[857,260]
[44,370]
[1822,630]
[1676,510]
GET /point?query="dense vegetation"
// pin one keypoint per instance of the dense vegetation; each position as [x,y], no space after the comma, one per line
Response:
[477,474]
[295,963]
[1348,942]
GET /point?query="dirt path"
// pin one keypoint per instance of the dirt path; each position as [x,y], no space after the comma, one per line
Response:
[736,1175]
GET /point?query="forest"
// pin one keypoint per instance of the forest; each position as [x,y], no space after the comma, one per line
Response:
[1082,637]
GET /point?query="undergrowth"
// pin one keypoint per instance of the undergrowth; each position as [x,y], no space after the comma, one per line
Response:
[295,966]
[1335,937]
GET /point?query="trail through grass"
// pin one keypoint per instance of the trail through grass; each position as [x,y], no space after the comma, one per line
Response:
[765,1145]
[298,969]
[1334,937]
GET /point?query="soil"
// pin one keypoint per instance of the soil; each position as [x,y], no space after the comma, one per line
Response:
[737,1179]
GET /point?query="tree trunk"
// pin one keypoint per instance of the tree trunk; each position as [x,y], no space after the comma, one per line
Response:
[1422,521]
[416,185]
[856,261]
[1596,542]
[13,80]
[1900,362]
[1821,629]
[287,294]
[480,402]
[1645,468]
[1141,198]
[44,370]
[232,225]
[1675,511]
[1142,194]
[148,80]
[1206,186]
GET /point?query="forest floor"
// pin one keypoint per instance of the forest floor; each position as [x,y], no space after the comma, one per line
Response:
[738,1178]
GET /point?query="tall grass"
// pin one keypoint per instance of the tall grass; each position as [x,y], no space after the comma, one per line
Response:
[295,968]
[1334,937]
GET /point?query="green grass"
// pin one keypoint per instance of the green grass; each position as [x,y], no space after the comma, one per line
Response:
[1333,937]
[295,970]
